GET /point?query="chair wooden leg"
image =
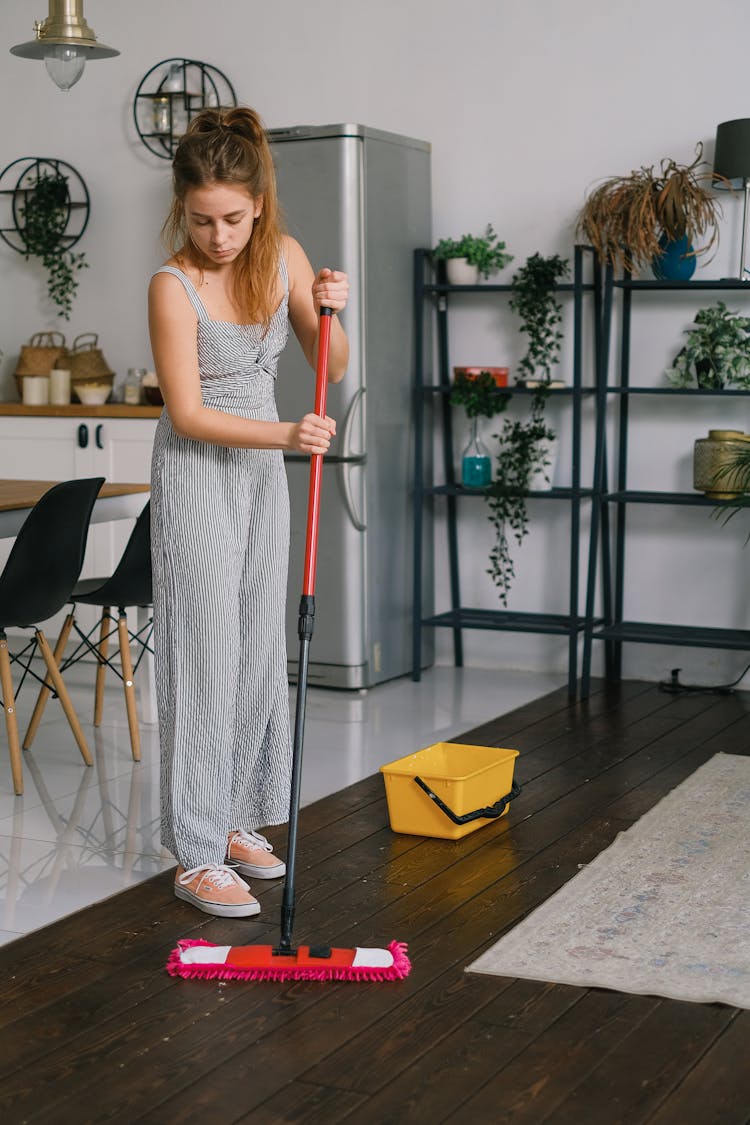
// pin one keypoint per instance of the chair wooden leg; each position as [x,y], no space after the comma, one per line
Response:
[11,723]
[129,685]
[46,689]
[101,669]
[62,692]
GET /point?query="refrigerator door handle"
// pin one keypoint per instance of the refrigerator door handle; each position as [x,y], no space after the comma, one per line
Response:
[349,459]
[345,469]
[348,426]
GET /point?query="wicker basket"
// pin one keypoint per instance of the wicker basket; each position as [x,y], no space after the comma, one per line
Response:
[44,351]
[87,363]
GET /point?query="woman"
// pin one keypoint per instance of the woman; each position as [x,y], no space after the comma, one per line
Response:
[219,311]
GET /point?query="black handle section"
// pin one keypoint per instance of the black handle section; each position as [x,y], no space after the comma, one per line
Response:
[98,438]
[83,436]
[491,811]
[325,311]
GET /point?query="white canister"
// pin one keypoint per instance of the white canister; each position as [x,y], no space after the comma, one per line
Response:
[35,390]
[59,386]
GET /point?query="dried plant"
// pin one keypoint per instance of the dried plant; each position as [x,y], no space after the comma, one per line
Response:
[624,218]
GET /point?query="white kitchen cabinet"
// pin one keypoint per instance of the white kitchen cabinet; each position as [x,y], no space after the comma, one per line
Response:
[75,446]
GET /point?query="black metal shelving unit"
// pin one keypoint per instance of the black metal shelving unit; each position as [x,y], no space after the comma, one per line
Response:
[612,627]
[432,298]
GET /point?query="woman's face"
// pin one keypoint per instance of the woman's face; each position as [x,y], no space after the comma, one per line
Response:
[220,220]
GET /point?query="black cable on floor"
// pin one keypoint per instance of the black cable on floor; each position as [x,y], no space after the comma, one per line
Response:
[673,686]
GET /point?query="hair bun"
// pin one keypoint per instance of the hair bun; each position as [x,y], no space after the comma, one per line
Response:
[243,122]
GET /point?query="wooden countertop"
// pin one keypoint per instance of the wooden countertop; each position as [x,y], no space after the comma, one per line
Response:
[110,410]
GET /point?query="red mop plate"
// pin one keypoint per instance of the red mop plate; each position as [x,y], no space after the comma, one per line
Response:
[202,959]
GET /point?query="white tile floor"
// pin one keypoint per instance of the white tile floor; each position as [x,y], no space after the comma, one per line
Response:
[78,834]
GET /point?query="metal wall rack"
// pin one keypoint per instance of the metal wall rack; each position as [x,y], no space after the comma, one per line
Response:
[432,300]
[612,627]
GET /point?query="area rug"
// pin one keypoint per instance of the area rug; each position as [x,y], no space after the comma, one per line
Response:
[665,910]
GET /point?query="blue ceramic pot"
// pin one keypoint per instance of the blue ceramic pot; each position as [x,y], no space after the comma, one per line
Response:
[676,261]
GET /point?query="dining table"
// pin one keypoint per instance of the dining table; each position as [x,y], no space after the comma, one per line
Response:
[18,497]
[114,502]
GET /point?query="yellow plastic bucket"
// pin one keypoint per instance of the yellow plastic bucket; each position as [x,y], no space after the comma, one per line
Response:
[429,790]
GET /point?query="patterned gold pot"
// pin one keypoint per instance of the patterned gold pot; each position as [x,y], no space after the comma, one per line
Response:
[712,460]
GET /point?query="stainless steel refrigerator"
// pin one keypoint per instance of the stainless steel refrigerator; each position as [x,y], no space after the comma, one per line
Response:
[358,199]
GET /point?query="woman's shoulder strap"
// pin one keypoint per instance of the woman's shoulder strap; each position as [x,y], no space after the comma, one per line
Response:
[284,271]
[189,288]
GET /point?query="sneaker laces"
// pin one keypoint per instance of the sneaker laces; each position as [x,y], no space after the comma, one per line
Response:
[215,874]
[252,840]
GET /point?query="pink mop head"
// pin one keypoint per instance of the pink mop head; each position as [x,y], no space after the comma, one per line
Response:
[259,962]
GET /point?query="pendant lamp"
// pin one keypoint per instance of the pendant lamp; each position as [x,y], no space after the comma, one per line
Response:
[65,41]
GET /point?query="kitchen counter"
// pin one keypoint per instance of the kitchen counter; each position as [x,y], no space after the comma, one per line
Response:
[77,410]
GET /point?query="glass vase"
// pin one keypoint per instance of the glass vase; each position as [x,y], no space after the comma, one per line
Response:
[476,465]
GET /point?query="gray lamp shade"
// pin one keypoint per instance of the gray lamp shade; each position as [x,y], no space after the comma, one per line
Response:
[732,156]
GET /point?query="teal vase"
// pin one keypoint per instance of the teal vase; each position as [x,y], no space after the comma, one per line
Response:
[676,261]
[476,466]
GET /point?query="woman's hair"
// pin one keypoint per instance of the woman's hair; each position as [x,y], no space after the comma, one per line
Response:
[229,146]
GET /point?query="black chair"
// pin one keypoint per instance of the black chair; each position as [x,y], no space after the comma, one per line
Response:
[130,585]
[42,569]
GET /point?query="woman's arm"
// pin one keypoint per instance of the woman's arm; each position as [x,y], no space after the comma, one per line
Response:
[172,325]
[307,293]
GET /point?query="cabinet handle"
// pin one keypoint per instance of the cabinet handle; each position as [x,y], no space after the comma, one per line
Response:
[83,436]
[98,436]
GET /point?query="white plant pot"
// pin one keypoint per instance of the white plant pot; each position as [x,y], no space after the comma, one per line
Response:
[459,272]
[543,478]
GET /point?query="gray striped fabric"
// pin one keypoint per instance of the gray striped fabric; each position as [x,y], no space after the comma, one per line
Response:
[220,542]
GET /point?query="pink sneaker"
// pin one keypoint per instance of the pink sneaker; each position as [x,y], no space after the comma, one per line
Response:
[216,889]
[252,855]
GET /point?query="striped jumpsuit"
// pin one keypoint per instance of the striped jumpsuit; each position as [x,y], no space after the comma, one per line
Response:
[220,542]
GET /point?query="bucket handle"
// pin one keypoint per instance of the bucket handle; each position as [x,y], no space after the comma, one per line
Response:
[490,812]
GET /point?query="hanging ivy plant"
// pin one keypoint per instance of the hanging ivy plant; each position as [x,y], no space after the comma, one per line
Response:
[534,300]
[523,450]
[524,443]
[45,217]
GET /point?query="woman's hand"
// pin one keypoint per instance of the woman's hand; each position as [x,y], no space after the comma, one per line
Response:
[330,289]
[313,434]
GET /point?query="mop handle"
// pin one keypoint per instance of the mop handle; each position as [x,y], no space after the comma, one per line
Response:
[316,461]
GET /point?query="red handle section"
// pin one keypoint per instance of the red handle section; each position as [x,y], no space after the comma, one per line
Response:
[316,461]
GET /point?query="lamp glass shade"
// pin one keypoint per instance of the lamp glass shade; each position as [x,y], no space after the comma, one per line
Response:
[732,155]
[64,65]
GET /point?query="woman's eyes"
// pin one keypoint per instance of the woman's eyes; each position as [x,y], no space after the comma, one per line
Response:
[207,222]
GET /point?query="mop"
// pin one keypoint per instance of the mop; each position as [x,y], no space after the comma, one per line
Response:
[285,961]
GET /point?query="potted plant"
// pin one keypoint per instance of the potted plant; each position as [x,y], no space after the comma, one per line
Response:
[45,215]
[472,256]
[735,475]
[716,353]
[655,219]
[525,444]
[478,395]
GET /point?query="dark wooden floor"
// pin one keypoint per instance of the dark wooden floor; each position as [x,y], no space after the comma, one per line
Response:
[94,1030]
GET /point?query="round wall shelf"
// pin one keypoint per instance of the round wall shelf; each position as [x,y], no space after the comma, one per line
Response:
[170,95]
[17,183]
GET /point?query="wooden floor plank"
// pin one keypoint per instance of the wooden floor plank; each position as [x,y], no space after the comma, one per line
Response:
[717,1087]
[661,1051]
[305,1104]
[94,1030]
[533,1084]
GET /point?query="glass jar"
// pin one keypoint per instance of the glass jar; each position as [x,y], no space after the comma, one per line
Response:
[132,390]
[476,464]
[161,114]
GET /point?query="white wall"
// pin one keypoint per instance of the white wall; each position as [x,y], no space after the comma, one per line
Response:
[526,103]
